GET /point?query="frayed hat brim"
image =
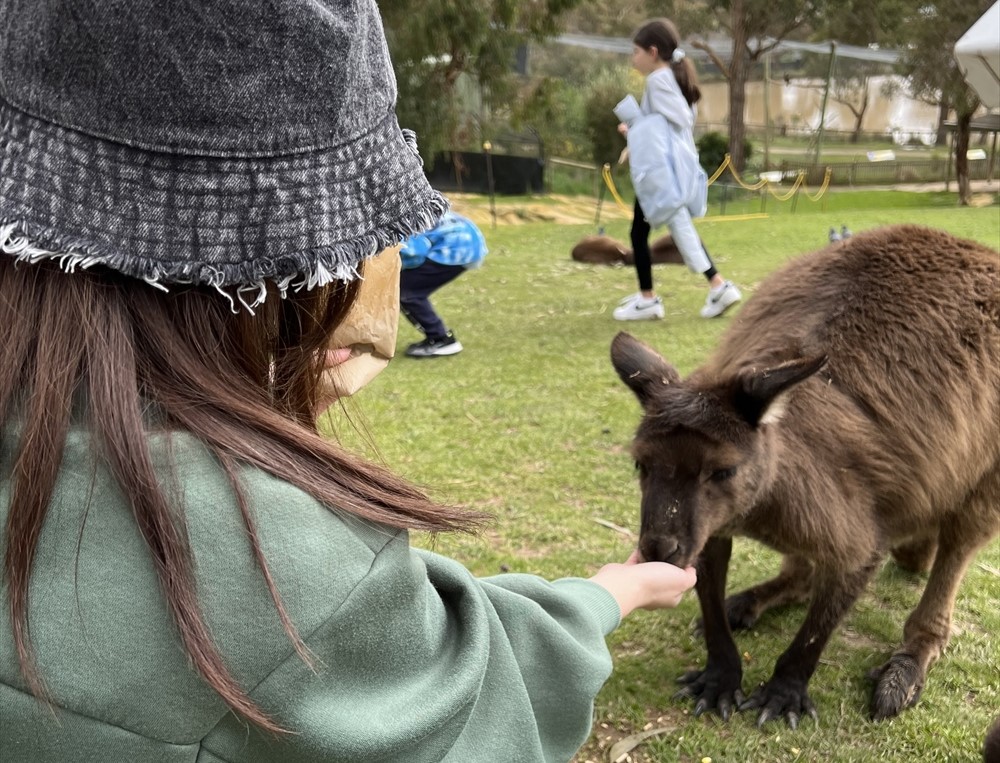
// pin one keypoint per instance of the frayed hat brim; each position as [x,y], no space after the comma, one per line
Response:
[298,220]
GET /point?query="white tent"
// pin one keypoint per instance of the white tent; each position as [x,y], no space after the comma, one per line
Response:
[978,56]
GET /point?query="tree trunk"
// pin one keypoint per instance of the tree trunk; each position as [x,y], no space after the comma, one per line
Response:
[942,132]
[738,71]
[859,114]
[962,157]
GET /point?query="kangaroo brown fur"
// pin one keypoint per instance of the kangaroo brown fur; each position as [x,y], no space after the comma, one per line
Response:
[991,746]
[600,250]
[603,250]
[851,410]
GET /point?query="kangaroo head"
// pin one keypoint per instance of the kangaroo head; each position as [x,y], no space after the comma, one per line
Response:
[704,448]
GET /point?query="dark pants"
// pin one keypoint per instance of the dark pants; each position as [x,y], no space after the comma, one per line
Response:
[416,286]
[640,251]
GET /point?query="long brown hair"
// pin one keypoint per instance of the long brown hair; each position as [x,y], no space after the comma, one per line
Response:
[111,349]
[663,35]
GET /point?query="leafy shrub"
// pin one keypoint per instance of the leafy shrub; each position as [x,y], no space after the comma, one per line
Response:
[713,147]
[553,111]
[603,94]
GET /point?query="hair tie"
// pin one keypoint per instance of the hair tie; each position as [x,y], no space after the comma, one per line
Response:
[677,56]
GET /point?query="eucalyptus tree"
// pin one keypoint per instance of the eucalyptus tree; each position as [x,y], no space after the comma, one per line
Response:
[755,27]
[435,44]
[928,37]
[864,23]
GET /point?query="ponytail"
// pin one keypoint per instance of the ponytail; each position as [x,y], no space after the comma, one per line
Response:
[687,78]
[663,35]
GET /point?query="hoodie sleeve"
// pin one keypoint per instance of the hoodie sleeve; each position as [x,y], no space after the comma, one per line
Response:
[414,250]
[425,662]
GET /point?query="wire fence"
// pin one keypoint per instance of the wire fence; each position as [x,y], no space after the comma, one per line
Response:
[569,176]
[864,172]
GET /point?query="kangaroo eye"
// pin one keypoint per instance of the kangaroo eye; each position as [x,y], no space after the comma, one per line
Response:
[721,475]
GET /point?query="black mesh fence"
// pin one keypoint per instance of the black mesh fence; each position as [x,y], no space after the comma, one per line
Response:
[471,172]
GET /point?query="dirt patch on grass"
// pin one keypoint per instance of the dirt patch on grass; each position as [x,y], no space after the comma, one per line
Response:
[606,734]
[857,639]
[563,210]
[982,199]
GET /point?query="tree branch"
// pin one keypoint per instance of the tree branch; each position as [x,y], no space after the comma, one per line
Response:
[702,45]
[756,52]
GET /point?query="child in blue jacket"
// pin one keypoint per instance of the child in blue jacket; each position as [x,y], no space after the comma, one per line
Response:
[430,260]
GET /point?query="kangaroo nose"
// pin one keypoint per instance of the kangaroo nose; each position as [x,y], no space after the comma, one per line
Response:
[660,549]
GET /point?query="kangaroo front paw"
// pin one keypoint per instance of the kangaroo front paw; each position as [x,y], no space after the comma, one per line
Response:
[898,686]
[781,698]
[712,689]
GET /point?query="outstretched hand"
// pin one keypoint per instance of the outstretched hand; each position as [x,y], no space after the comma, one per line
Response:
[645,585]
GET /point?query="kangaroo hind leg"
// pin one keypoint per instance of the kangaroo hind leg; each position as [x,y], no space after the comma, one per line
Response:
[792,585]
[962,533]
[917,554]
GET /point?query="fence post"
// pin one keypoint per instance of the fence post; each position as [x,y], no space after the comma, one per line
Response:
[826,95]
[993,157]
[600,201]
[487,149]
[947,168]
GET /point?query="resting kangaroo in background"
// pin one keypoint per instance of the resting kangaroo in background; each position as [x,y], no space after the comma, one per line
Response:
[852,409]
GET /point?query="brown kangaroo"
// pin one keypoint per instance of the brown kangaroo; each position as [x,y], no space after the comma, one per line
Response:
[602,250]
[991,747]
[851,410]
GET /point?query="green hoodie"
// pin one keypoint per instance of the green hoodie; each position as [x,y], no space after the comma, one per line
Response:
[415,659]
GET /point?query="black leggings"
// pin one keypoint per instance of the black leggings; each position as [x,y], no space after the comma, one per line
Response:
[641,254]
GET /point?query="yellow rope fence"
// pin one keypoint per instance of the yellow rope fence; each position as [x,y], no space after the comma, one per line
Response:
[823,187]
[610,183]
[800,183]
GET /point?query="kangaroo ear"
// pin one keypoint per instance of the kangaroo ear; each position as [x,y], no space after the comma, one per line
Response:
[759,395]
[641,367]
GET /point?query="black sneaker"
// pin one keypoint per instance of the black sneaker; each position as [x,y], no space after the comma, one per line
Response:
[431,348]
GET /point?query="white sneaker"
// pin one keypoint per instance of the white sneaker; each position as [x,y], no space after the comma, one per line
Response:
[630,298]
[640,309]
[721,299]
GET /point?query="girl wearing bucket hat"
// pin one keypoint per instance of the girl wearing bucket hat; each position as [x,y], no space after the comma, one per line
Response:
[192,198]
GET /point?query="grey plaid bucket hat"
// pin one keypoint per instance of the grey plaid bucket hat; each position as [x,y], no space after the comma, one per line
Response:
[221,142]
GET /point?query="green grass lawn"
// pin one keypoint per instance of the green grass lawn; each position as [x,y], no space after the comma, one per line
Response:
[838,150]
[531,424]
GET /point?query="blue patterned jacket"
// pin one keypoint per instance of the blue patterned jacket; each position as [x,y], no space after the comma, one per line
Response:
[454,241]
